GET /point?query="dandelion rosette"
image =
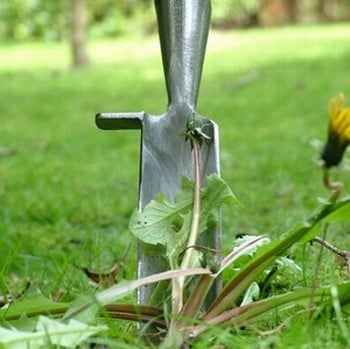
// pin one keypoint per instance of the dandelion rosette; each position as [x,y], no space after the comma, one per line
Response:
[338,132]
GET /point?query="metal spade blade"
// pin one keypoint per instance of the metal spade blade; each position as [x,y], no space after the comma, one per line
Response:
[165,156]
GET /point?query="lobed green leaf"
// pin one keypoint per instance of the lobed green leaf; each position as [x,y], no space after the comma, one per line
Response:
[168,224]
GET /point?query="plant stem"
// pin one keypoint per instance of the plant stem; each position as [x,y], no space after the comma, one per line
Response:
[192,239]
[338,251]
[179,283]
[335,186]
[317,270]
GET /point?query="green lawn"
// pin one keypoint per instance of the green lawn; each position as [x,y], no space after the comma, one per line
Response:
[67,189]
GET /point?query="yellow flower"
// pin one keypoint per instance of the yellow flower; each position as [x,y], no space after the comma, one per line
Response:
[338,132]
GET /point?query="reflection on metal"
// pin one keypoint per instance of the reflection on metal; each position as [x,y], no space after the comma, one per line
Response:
[165,156]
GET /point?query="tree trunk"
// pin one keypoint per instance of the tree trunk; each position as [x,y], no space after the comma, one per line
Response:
[78,21]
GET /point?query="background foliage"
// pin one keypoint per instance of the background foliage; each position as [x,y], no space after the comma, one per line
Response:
[48,19]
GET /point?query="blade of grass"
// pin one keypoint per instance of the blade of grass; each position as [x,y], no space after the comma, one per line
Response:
[119,291]
[196,298]
[240,315]
[338,314]
[138,313]
[269,253]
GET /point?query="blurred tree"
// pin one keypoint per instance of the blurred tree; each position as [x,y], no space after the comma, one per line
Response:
[331,10]
[113,18]
[276,12]
[12,17]
[234,13]
[46,19]
[34,19]
[78,21]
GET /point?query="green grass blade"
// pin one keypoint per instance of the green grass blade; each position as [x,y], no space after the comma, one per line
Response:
[83,304]
[249,272]
[322,297]
[268,254]
[31,307]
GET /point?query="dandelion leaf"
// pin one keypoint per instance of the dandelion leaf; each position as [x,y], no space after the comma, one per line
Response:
[168,224]
[49,332]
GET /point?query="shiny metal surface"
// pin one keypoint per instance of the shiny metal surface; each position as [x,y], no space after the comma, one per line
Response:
[165,156]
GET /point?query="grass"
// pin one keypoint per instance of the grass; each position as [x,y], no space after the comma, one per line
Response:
[68,189]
